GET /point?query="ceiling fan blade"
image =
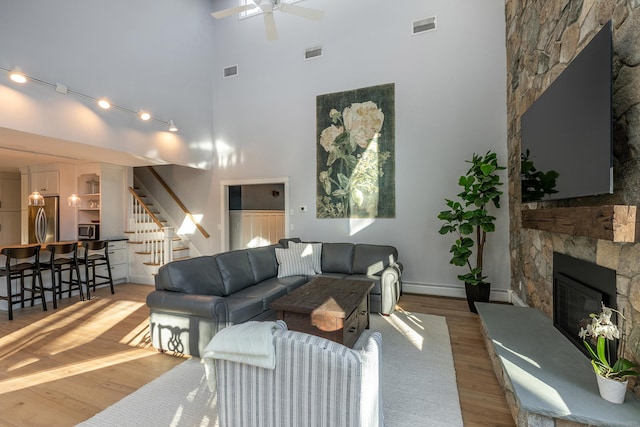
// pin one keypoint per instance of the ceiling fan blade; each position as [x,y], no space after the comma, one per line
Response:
[231,11]
[270,26]
[304,12]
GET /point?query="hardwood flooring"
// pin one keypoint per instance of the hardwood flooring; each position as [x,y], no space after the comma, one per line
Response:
[60,367]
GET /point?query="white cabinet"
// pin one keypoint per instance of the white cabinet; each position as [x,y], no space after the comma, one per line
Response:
[9,228]
[9,194]
[46,182]
[119,261]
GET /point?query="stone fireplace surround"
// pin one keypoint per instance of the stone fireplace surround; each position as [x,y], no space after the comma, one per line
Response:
[542,38]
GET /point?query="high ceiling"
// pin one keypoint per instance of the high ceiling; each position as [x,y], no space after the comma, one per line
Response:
[19,149]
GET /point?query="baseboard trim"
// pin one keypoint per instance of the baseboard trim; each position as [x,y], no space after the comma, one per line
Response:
[142,280]
[498,295]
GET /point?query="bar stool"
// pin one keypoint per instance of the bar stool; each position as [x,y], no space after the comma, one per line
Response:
[64,258]
[96,254]
[23,261]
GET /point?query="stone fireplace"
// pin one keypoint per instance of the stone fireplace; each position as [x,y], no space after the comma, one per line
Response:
[542,38]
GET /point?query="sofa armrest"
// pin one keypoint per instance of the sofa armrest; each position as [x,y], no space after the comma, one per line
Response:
[206,306]
[390,288]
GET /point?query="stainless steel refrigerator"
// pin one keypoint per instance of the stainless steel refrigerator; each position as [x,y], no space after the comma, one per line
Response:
[43,221]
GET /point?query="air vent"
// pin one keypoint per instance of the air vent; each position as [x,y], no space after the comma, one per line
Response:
[313,52]
[230,71]
[424,25]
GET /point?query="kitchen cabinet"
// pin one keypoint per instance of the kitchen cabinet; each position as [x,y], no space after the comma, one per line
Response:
[46,182]
[10,194]
[119,261]
[9,228]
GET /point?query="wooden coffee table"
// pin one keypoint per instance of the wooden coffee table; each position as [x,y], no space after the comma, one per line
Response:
[336,309]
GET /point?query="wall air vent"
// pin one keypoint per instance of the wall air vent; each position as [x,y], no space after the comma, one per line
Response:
[313,52]
[230,71]
[424,25]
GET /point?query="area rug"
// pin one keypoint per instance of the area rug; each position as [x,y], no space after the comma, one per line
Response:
[418,383]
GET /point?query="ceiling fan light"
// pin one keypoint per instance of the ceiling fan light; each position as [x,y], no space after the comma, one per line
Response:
[17,76]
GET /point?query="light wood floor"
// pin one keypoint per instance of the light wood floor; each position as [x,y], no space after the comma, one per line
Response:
[60,367]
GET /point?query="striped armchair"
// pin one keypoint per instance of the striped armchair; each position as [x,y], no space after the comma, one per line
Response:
[316,383]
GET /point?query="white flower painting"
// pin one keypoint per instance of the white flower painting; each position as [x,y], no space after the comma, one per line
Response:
[355,154]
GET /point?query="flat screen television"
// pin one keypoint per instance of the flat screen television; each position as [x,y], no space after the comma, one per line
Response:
[567,133]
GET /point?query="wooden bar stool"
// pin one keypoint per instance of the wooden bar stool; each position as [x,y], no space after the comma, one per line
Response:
[96,254]
[22,261]
[64,258]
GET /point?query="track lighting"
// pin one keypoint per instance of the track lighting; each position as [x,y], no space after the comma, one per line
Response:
[17,76]
[104,103]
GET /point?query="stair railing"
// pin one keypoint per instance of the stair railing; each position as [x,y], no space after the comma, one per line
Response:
[154,238]
[178,201]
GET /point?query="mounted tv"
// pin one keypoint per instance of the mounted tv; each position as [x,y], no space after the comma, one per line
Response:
[567,133]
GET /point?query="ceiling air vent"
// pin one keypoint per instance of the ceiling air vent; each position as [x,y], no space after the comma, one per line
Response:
[313,52]
[424,25]
[230,71]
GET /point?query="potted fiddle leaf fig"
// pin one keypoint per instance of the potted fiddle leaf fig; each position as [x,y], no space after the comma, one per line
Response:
[468,217]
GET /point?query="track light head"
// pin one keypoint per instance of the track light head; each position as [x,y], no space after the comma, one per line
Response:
[17,75]
[172,126]
[144,116]
[104,103]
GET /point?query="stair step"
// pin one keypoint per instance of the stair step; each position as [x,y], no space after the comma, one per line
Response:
[150,252]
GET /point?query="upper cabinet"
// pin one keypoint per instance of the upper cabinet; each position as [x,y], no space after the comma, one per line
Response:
[10,194]
[46,182]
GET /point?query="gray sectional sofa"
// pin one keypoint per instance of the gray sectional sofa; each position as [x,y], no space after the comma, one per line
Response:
[196,297]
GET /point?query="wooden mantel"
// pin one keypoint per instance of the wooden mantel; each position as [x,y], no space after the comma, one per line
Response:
[618,223]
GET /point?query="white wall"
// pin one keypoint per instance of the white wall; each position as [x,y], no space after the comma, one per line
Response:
[450,101]
[142,54]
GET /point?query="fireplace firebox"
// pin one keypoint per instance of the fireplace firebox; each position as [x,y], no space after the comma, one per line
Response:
[578,289]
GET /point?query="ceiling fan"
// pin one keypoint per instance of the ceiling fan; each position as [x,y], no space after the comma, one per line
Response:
[268,7]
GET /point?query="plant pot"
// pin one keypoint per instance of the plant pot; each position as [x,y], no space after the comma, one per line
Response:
[611,390]
[479,293]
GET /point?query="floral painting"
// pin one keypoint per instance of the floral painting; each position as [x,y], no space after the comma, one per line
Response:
[356,153]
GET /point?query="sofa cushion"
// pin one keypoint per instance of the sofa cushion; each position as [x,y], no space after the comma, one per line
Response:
[267,291]
[285,242]
[372,259]
[263,262]
[337,257]
[292,263]
[242,309]
[312,250]
[235,270]
[198,276]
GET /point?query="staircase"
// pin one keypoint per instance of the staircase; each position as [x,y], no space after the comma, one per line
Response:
[153,241]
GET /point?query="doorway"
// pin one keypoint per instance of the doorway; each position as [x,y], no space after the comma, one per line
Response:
[227,199]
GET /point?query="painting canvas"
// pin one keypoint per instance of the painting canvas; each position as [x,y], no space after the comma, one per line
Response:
[356,153]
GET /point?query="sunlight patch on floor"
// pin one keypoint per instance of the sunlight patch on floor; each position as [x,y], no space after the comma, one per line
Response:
[405,329]
[45,375]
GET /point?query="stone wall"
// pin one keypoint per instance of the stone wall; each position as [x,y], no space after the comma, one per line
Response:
[542,38]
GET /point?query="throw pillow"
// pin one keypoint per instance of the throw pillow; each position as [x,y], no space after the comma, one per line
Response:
[292,263]
[311,250]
